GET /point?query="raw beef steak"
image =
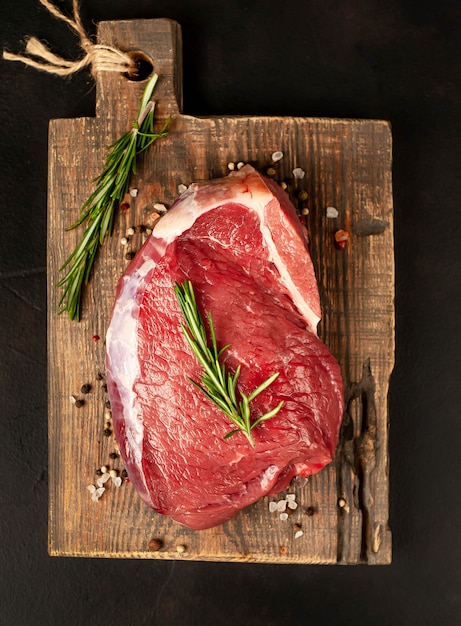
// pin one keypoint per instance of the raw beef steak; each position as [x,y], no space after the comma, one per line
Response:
[239,241]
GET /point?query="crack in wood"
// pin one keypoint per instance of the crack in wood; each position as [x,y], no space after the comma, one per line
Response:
[356,460]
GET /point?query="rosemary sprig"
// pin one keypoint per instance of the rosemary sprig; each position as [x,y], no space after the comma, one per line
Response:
[99,209]
[219,385]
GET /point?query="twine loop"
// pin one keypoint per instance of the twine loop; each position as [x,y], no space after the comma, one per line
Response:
[99,57]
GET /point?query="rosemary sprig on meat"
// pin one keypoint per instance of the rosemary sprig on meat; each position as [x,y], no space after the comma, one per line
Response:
[216,382]
[99,209]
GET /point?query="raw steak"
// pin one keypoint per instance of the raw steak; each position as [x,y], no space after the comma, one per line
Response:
[239,241]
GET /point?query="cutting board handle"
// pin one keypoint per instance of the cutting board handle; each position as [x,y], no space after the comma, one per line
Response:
[160,41]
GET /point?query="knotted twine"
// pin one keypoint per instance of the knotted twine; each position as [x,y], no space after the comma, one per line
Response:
[99,57]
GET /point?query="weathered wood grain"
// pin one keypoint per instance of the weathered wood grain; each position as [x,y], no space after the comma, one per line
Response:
[343,511]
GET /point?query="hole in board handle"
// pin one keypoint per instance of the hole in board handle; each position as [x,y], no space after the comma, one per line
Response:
[143,66]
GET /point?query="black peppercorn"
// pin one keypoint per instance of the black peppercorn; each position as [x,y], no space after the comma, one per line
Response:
[79,403]
[124,474]
[107,404]
[113,455]
[86,388]
[107,432]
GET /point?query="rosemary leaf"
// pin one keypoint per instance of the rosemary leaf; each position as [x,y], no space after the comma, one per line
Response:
[216,382]
[99,209]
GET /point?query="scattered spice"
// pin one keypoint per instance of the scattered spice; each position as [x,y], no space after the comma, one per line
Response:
[130,231]
[302,195]
[96,337]
[79,403]
[107,432]
[305,211]
[85,388]
[107,404]
[283,550]
[99,472]
[283,185]
[309,511]
[113,455]
[270,171]
[155,544]
[180,549]
[341,238]
[341,503]
[124,473]
[124,206]
[129,256]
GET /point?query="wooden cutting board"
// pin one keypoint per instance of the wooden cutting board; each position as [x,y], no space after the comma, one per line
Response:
[343,511]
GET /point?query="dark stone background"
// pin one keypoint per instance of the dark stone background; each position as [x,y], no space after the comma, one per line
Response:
[389,59]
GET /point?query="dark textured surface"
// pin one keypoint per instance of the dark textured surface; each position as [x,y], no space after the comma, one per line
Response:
[392,60]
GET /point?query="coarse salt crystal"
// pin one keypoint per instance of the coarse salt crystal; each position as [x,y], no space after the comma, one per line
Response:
[231,166]
[133,193]
[298,534]
[240,164]
[290,497]
[158,206]
[182,188]
[117,481]
[283,517]
[272,507]
[123,241]
[95,493]
[298,172]
[277,155]
[103,479]
[281,505]
[292,505]
[332,212]
[130,231]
